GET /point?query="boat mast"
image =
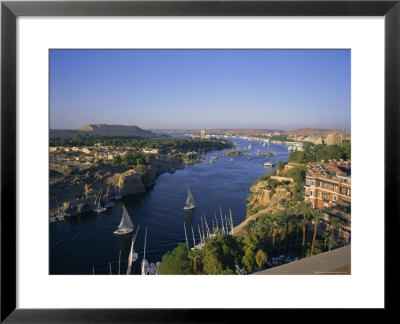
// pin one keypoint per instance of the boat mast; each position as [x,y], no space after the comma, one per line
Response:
[216,221]
[184,226]
[201,240]
[222,220]
[230,213]
[145,237]
[128,271]
[98,203]
[207,228]
[202,226]
[119,263]
[194,242]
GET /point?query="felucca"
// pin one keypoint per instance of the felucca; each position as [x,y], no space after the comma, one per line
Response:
[133,256]
[97,207]
[108,203]
[189,201]
[125,226]
[118,196]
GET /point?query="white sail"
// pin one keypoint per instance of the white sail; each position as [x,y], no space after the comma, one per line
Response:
[190,199]
[126,222]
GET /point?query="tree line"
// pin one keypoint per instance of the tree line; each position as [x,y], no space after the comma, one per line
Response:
[137,142]
[316,153]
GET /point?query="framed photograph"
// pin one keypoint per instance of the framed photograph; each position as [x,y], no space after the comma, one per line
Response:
[157,151]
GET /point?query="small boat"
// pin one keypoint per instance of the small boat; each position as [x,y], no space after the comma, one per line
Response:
[214,157]
[189,201]
[59,215]
[125,226]
[118,196]
[269,164]
[172,170]
[248,158]
[231,160]
[52,220]
[98,208]
[153,269]
[108,203]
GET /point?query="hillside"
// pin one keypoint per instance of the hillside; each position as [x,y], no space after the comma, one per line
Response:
[102,130]
[316,132]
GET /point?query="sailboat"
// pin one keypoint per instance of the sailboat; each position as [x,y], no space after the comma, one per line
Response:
[125,226]
[108,202]
[231,160]
[189,201]
[59,215]
[118,196]
[133,256]
[99,208]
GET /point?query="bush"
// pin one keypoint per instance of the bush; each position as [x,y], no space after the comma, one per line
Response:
[176,262]
[281,165]
[221,255]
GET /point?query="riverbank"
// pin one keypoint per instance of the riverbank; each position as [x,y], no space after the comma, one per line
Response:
[76,187]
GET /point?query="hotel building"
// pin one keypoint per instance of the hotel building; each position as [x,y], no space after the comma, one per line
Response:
[334,139]
[328,184]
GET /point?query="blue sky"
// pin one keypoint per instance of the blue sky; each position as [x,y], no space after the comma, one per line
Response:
[284,89]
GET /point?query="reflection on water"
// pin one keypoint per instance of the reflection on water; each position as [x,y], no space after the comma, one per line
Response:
[79,243]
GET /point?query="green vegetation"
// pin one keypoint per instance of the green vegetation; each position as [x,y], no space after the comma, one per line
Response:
[131,159]
[281,138]
[316,153]
[251,210]
[236,153]
[132,141]
[221,255]
[176,262]
[289,232]
[281,165]
[266,176]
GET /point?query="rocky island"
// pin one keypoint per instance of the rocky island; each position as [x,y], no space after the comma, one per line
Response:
[235,153]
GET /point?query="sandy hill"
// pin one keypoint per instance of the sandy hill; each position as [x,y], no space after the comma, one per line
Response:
[102,130]
[316,132]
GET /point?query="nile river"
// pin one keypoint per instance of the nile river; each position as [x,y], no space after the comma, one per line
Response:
[80,243]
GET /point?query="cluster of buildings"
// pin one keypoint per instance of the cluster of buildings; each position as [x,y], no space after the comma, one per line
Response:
[92,154]
[331,139]
[328,187]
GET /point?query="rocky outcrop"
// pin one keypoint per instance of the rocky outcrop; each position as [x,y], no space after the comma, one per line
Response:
[272,200]
[129,182]
[262,198]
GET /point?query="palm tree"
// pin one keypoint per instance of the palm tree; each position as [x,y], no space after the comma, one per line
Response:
[317,214]
[334,224]
[305,210]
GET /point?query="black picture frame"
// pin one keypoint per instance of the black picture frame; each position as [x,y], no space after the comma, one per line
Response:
[10,10]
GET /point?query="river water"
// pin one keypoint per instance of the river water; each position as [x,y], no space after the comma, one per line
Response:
[84,242]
